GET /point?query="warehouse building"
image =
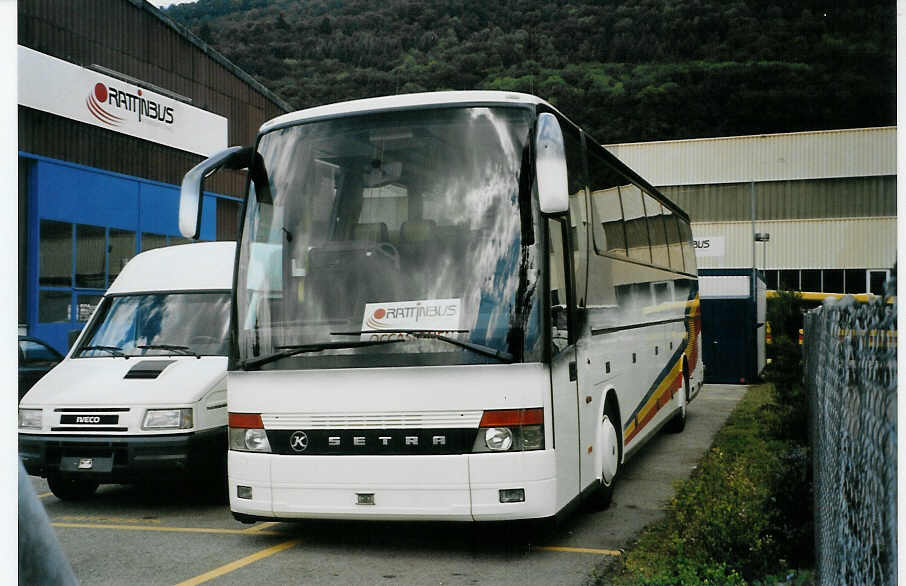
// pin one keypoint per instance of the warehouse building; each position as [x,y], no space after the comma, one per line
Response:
[116,103]
[815,210]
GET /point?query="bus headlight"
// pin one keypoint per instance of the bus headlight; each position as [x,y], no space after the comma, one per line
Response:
[532,437]
[30,418]
[167,419]
[498,439]
[510,430]
[247,433]
[249,440]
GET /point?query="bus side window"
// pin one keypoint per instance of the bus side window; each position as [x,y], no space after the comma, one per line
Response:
[558,287]
[636,223]
[578,211]
[608,233]
[657,232]
[685,234]
[671,222]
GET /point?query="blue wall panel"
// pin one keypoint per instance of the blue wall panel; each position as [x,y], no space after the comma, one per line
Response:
[81,195]
[159,205]
[85,196]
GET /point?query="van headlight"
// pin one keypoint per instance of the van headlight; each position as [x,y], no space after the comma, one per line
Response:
[30,418]
[167,419]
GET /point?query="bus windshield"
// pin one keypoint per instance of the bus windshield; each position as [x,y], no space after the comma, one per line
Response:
[415,227]
[156,324]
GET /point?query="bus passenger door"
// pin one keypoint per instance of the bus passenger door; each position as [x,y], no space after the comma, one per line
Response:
[564,388]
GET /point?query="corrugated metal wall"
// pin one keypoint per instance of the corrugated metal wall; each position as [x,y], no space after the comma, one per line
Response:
[771,157]
[806,244]
[783,200]
[132,38]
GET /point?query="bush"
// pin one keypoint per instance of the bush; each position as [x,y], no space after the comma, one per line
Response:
[785,312]
[744,514]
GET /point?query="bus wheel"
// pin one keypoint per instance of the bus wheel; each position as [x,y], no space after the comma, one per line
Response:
[608,459]
[678,423]
[71,489]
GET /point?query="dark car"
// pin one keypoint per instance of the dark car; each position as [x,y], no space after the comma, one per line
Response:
[35,359]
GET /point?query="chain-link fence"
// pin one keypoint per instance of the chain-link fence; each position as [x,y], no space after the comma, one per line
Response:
[851,374]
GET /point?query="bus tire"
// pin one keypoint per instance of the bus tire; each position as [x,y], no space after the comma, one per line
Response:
[678,423]
[611,451]
[71,489]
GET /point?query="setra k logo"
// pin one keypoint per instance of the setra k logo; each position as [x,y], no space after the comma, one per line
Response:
[298,441]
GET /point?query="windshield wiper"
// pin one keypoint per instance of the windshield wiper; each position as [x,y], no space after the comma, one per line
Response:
[173,348]
[287,351]
[115,350]
[477,348]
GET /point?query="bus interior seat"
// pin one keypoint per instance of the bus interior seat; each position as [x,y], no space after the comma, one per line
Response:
[371,232]
[412,231]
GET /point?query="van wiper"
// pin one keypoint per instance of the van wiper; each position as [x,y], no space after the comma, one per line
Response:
[287,351]
[115,350]
[173,348]
[477,348]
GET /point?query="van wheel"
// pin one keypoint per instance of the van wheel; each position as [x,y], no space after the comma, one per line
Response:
[678,423]
[609,452]
[71,489]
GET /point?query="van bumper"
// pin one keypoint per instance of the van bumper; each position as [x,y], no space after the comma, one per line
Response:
[122,459]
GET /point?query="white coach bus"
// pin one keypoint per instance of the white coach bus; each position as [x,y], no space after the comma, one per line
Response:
[448,306]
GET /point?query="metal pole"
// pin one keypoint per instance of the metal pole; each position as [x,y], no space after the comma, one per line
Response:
[752,192]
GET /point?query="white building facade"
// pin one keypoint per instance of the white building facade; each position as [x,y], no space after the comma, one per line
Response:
[826,200]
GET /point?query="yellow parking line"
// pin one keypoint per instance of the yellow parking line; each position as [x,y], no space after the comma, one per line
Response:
[259,527]
[614,552]
[212,530]
[44,494]
[226,569]
[106,520]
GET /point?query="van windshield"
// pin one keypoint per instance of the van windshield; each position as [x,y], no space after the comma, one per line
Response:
[157,324]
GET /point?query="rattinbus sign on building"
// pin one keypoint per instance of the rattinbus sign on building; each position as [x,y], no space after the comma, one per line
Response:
[116,103]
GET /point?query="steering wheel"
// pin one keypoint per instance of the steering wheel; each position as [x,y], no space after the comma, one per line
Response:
[390,252]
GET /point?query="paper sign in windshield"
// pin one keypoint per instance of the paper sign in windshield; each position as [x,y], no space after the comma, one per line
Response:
[432,315]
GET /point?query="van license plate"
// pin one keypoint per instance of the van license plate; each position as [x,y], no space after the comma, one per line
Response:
[86,463]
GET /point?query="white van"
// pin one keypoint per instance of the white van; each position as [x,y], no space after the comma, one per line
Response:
[142,392]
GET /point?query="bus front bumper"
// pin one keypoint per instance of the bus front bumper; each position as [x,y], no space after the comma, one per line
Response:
[463,487]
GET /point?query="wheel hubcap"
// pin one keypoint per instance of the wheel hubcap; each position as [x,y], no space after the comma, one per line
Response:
[610,452]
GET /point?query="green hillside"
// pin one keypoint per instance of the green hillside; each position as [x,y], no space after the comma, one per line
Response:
[626,70]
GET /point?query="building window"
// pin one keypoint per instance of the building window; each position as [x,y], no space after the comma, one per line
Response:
[810,280]
[55,254]
[54,306]
[855,281]
[789,280]
[91,257]
[770,279]
[876,280]
[833,281]
[120,249]
[150,241]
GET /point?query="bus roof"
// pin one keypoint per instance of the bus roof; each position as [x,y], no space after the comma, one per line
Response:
[199,266]
[401,102]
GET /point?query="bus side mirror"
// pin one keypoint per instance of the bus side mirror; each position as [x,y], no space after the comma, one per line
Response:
[550,166]
[190,193]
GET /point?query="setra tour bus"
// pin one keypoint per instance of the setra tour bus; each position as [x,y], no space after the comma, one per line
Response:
[447,306]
